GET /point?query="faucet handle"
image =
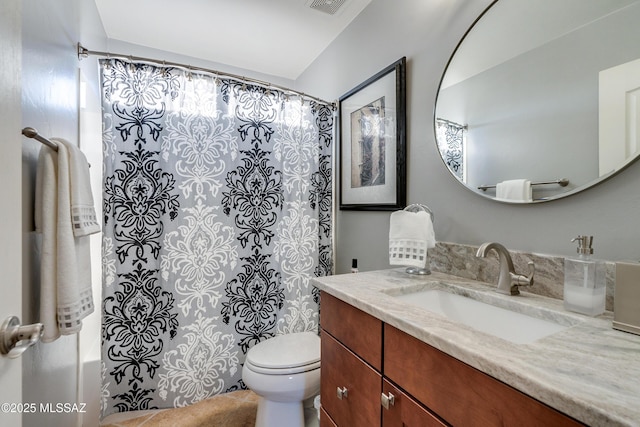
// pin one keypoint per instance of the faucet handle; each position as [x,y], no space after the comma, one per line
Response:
[522,280]
[532,272]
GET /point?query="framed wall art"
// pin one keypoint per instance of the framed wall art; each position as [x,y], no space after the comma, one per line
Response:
[373,142]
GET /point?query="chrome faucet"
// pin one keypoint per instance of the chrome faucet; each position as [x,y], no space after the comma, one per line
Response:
[509,280]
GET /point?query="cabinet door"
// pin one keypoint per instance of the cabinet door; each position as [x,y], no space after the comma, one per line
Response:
[358,331]
[349,388]
[403,411]
[325,420]
[457,392]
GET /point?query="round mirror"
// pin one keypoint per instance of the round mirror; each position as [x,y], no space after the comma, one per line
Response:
[541,99]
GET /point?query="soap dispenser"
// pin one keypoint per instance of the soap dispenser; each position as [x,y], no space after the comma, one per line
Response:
[584,280]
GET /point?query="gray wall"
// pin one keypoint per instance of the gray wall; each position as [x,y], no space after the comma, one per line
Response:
[426,32]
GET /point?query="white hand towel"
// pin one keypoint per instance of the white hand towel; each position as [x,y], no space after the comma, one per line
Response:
[515,190]
[83,213]
[46,218]
[65,287]
[410,235]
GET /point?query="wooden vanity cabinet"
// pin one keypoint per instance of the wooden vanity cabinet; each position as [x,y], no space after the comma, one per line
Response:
[352,386]
[366,362]
[325,420]
[351,355]
[457,392]
[358,331]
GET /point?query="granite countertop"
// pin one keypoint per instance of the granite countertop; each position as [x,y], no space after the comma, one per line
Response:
[588,371]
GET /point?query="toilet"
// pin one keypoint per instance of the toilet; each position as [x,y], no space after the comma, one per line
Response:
[284,371]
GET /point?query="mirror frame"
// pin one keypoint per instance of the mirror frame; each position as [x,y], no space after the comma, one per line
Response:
[563,195]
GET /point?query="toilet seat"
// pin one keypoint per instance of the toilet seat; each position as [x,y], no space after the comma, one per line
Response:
[285,354]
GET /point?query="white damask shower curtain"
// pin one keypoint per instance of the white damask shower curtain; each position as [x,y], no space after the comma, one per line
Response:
[217,212]
[452,145]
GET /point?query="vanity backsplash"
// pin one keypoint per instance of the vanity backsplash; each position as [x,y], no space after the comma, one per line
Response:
[460,260]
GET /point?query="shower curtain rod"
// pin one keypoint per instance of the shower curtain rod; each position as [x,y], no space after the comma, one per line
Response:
[85,53]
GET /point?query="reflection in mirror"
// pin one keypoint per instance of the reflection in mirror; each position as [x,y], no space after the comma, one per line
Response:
[543,92]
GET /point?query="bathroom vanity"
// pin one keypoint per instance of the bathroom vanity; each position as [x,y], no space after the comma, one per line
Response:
[388,361]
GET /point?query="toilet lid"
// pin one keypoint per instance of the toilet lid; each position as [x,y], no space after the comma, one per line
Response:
[286,351]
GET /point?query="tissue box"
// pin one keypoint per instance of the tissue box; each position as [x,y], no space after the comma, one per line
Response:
[626,300]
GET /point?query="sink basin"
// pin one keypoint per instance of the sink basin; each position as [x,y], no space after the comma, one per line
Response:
[507,324]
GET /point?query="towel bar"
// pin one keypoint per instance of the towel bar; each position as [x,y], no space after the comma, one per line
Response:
[561,182]
[32,133]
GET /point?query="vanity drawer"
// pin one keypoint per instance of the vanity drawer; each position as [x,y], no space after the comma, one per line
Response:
[406,412]
[457,392]
[357,330]
[349,388]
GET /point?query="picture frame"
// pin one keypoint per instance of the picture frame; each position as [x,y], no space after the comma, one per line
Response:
[372,149]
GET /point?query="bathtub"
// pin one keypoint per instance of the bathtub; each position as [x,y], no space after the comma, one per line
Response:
[91,385]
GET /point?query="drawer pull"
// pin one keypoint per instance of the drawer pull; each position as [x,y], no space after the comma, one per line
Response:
[387,400]
[342,393]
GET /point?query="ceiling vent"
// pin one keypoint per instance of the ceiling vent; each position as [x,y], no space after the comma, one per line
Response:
[326,6]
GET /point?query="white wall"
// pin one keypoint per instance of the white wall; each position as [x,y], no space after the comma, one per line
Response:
[49,105]
[10,194]
[50,76]
[92,36]
[426,32]
[125,48]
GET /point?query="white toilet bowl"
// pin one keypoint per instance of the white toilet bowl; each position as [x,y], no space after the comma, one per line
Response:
[283,371]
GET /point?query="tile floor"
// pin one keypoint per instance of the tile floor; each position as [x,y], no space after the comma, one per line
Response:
[236,409]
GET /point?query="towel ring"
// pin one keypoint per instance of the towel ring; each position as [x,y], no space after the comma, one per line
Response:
[419,207]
